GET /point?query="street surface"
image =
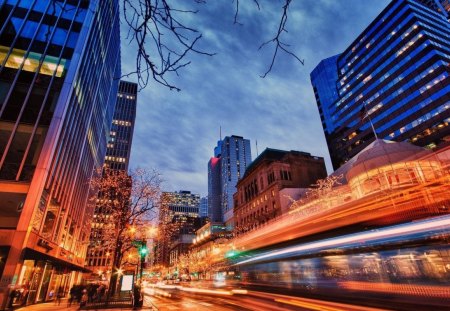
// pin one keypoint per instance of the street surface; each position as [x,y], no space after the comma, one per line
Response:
[180,298]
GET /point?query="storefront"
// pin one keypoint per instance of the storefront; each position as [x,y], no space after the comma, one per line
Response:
[43,277]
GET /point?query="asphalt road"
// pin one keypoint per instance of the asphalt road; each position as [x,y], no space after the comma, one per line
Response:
[173,299]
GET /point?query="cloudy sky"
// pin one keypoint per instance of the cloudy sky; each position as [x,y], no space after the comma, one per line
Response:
[176,132]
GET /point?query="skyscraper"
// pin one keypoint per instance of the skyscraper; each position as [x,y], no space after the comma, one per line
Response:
[323,79]
[178,216]
[99,259]
[231,157]
[392,81]
[203,207]
[214,190]
[122,128]
[58,81]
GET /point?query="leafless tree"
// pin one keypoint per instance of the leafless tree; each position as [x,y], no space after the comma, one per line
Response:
[126,202]
[163,40]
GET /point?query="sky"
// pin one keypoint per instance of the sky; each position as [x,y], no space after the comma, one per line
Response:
[176,132]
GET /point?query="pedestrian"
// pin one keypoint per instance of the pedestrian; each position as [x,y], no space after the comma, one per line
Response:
[71,296]
[59,295]
[24,295]
[12,296]
[84,299]
[100,292]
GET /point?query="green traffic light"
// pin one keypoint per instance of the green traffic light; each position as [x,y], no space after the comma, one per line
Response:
[144,251]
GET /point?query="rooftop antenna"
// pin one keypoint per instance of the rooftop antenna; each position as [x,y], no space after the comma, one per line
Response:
[220,132]
[257,153]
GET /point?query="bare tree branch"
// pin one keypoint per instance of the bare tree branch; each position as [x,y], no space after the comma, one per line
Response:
[156,21]
[279,45]
[164,41]
[125,201]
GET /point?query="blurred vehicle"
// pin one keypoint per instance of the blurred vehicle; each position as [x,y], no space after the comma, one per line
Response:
[407,262]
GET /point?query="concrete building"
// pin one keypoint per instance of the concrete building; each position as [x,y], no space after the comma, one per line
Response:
[392,80]
[231,157]
[274,176]
[208,251]
[99,259]
[178,221]
[60,61]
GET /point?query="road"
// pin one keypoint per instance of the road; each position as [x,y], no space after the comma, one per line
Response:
[179,298]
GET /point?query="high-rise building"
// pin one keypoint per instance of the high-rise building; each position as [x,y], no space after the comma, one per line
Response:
[60,61]
[442,6]
[203,207]
[122,128]
[99,258]
[214,190]
[323,79]
[231,157]
[178,221]
[392,80]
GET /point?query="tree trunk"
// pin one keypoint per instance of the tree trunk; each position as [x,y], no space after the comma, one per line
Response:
[115,270]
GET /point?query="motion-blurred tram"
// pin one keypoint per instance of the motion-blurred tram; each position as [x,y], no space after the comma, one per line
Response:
[401,263]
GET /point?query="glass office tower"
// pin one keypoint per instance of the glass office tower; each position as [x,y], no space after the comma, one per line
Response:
[395,76]
[232,155]
[60,61]
[323,79]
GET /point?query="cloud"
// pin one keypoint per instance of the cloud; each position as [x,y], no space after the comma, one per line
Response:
[176,132]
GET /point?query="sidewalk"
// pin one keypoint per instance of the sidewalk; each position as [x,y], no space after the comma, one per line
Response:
[51,306]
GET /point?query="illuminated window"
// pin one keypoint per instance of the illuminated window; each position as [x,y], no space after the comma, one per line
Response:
[48,67]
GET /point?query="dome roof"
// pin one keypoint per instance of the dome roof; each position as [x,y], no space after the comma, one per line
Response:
[381,153]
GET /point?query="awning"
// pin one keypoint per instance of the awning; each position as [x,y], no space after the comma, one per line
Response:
[57,262]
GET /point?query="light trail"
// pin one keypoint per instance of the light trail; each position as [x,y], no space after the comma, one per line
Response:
[423,226]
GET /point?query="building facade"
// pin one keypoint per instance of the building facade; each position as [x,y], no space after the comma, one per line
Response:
[99,259]
[203,207]
[273,175]
[214,190]
[208,251]
[58,81]
[118,150]
[392,81]
[323,80]
[178,221]
[231,157]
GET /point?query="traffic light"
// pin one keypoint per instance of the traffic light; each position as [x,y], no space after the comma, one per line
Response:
[143,251]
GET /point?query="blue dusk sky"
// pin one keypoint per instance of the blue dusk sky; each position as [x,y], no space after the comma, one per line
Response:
[176,132]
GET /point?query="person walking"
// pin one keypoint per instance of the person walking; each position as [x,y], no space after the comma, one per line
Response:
[59,295]
[84,299]
[71,296]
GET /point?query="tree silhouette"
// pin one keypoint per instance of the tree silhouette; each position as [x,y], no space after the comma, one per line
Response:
[163,40]
[126,201]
